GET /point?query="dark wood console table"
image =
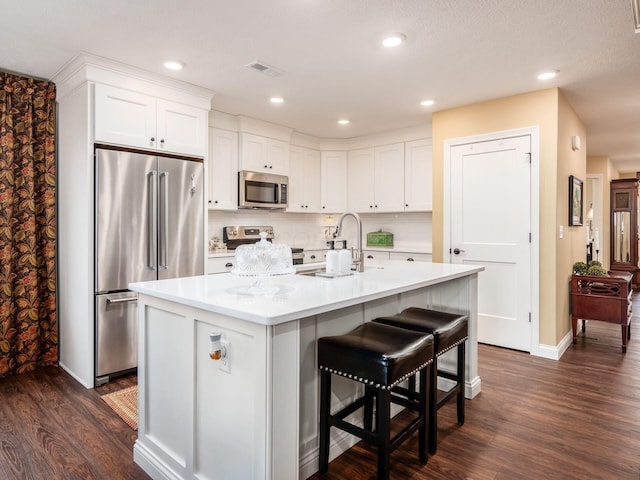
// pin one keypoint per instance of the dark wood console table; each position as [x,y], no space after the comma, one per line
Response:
[605,299]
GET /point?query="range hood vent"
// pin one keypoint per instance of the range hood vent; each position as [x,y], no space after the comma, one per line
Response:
[262,67]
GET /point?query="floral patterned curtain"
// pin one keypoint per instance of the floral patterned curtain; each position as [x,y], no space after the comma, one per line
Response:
[28,324]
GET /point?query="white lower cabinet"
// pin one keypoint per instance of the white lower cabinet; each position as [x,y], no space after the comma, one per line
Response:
[220,264]
[378,257]
[374,257]
[410,257]
[313,256]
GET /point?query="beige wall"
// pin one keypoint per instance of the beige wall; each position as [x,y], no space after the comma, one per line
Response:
[545,109]
[573,247]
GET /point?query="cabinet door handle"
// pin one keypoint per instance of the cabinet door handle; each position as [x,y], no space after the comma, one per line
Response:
[312,257]
[410,259]
[153,139]
[370,256]
[228,265]
[266,166]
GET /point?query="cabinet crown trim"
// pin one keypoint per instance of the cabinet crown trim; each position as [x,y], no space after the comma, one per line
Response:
[93,68]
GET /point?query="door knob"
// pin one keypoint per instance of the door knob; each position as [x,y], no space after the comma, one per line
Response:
[457,251]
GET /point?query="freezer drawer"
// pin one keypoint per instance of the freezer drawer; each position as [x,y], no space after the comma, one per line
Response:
[116,334]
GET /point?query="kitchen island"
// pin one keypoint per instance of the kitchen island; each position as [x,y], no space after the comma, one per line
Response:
[254,414]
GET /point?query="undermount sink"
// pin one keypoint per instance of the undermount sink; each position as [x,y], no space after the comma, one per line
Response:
[310,271]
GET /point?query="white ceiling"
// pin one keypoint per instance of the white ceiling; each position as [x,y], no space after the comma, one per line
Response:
[457,52]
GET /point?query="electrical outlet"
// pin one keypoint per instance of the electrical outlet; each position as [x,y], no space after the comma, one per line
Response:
[561,231]
[225,361]
[328,232]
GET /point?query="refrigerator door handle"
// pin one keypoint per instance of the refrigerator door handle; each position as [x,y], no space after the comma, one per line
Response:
[152,228]
[164,220]
[122,300]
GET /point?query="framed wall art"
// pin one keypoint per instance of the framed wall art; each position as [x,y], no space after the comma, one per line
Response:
[575,201]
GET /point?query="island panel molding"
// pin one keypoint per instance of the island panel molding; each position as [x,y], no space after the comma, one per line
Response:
[259,421]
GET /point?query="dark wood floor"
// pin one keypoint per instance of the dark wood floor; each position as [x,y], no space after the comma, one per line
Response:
[577,418]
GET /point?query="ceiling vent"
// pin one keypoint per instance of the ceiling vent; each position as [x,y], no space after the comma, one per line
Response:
[636,14]
[262,67]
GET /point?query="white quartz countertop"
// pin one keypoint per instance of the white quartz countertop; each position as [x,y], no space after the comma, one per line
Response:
[299,296]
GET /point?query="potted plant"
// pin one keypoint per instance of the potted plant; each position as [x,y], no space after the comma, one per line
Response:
[593,268]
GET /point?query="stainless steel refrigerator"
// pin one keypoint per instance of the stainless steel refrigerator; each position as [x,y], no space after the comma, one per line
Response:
[149,212]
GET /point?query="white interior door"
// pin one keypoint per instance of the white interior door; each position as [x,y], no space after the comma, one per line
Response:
[490,226]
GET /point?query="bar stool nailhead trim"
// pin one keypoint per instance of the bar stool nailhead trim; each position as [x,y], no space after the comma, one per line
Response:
[377,385]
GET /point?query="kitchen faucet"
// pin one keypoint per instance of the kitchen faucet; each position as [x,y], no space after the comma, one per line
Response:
[360,260]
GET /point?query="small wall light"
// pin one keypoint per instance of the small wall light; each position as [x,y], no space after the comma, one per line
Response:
[575,143]
[219,350]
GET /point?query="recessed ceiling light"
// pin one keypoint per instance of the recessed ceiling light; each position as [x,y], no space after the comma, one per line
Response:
[276,99]
[393,40]
[343,122]
[174,65]
[548,75]
[427,103]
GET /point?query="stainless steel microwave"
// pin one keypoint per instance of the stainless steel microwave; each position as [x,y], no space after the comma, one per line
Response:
[262,190]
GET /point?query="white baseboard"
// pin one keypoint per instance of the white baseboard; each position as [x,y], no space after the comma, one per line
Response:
[554,352]
[76,378]
[151,464]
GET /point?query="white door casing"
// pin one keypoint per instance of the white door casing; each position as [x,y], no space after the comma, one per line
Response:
[491,192]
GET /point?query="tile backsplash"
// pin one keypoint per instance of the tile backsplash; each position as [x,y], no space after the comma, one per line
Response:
[412,231]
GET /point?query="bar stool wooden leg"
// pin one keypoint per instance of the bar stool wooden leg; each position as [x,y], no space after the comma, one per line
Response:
[368,408]
[383,412]
[325,406]
[423,433]
[433,406]
[460,380]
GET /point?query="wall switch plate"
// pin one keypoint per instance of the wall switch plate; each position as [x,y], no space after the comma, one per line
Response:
[225,361]
[561,231]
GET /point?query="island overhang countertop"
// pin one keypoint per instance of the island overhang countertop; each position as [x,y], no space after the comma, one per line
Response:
[297,295]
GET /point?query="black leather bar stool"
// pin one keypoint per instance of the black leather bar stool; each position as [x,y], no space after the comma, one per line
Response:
[449,330]
[379,356]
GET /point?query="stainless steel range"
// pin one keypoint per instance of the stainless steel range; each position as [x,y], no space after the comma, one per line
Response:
[235,236]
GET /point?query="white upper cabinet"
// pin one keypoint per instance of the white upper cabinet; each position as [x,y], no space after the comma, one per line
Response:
[128,118]
[333,196]
[389,178]
[376,179]
[418,176]
[223,170]
[181,128]
[124,117]
[360,178]
[262,154]
[304,180]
